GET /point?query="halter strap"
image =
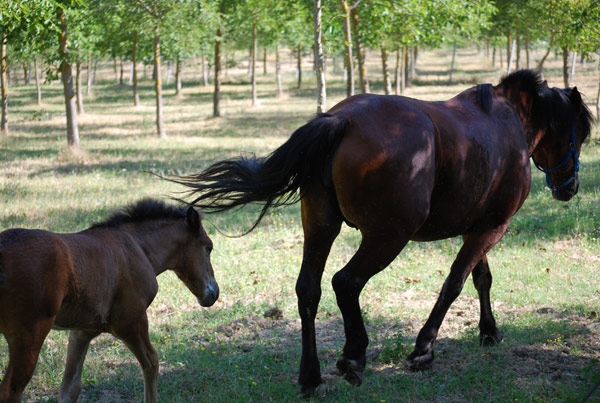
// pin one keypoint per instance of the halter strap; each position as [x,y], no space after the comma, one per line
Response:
[572,153]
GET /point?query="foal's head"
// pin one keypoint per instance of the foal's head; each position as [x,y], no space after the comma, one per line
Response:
[192,264]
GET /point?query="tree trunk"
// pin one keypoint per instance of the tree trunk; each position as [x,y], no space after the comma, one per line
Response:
[387,83]
[598,95]
[398,89]
[264,61]
[89,74]
[508,57]
[67,80]
[540,67]
[115,69]
[494,58]
[299,67]
[217,93]
[574,62]
[38,84]
[4,86]
[512,56]
[565,70]
[518,65]
[360,53]
[121,72]
[253,61]
[160,126]
[348,49]
[80,110]
[26,74]
[204,69]
[452,63]
[178,77]
[278,71]
[527,60]
[319,59]
[413,66]
[404,68]
[136,95]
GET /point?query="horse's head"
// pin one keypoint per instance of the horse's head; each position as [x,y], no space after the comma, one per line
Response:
[193,261]
[557,154]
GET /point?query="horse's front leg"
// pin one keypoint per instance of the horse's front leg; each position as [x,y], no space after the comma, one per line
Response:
[321,226]
[70,386]
[475,246]
[482,278]
[373,255]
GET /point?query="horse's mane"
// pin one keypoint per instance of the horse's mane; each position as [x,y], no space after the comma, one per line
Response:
[550,108]
[143,210]
[484,97]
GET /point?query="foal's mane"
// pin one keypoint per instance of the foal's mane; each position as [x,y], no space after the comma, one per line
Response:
[143,210]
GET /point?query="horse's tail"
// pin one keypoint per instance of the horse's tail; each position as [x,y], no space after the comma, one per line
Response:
[278,179]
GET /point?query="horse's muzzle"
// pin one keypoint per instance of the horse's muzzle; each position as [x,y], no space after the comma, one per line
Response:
[566,193]
[211,293]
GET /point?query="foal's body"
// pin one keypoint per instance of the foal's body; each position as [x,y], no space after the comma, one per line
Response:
[99,280]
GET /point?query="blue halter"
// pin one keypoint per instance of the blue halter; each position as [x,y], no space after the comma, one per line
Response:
[572,153]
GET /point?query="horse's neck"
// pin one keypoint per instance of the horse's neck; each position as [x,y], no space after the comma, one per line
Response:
[522,104]
[157,244]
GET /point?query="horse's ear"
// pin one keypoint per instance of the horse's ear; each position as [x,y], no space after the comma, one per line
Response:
[193,219]
[545,83]
[575,97]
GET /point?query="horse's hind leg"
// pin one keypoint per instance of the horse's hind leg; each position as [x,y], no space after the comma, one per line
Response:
[24,344]
[482,278]
[70,386]
[373,255]
[321,222]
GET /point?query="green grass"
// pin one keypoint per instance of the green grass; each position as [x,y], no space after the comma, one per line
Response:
[546,291]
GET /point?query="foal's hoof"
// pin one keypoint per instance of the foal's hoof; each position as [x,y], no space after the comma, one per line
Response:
[420,362]
[352,371]
[490,339]
[314,391]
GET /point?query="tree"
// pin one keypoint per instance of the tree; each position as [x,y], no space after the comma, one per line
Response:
[348,61]
[321,90]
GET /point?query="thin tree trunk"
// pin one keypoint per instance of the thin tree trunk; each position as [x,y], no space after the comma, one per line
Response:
[598,95]
[253,61]
[387,83]
[204,69]
[518,65]
[398,90]
[565,54]
[88,90]
[130,81]
[540,67]
[527,52]
[217,93]
[178,77]
[348,49]
[80,110]
[160,126]
[319,59]
[299,67]
[508,55]
[452,63]
[512,56]
[95,69]
[115,69]
[278,71]
[574,62]
[4,86]
[404,69]
[67,80]
[38,84]
[413,67]
[360,53]
[26,73]
[494,58]
[136,95]
[264,61]
[121,72]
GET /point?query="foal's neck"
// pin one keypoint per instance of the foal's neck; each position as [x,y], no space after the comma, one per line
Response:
[159,241]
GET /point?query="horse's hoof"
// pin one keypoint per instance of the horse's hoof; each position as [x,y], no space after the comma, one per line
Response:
[490,339]
[314,391]
[352,371]
[420,362]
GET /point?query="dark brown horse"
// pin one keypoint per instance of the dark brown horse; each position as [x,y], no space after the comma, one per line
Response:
[401,169]
[98,280]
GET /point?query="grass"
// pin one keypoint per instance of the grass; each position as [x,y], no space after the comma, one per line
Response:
[546,291]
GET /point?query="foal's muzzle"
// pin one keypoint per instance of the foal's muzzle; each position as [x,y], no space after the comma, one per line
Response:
[211,293]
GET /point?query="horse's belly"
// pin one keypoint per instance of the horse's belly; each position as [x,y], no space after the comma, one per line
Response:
[76,316]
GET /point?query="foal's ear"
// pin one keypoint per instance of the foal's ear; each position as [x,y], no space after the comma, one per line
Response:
[193,219]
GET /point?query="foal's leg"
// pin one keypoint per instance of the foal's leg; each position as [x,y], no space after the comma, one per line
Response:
[482,278]
[133,330]
[70,386]
[473,250]
[24,344]
[321,224]
[373,255]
